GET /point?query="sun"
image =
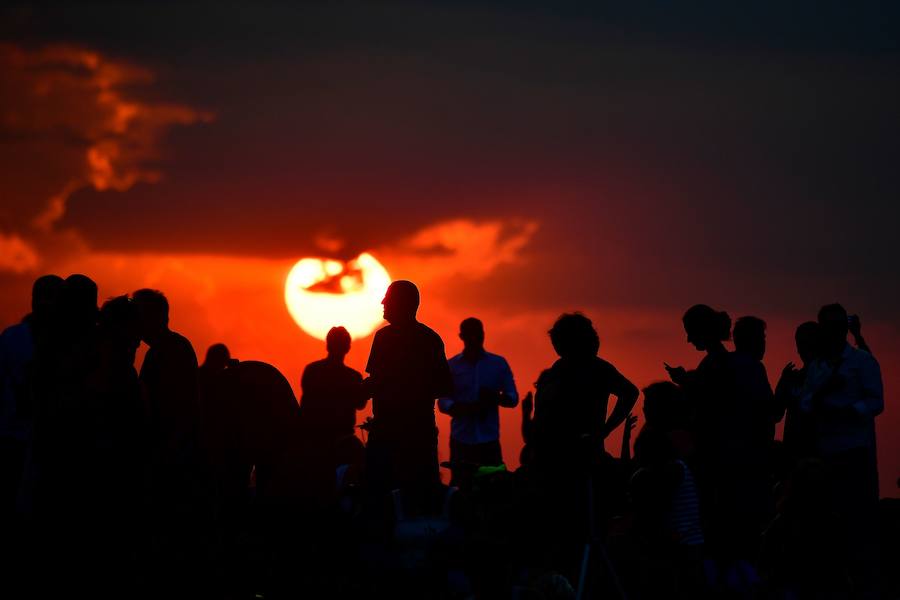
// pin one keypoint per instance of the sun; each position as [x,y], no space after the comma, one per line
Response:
[323,293]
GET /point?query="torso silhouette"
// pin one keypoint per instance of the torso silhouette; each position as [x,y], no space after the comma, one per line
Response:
[571,402]
[409,371]
[332,393]
[169,377]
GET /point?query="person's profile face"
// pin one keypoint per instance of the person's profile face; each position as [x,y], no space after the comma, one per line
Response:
[694,339]
[389,307]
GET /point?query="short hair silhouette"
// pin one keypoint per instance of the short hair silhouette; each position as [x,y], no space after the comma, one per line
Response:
[471,325]
[217,356]
[338,341]
[80,296]
[665,405]
[706,323]
[808,339]
[45,293]
[401,300]
[750,336]
[152,305]
[574,335]
[118,319]
[833,316]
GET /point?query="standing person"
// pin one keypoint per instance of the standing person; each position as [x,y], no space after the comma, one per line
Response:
[17,352]
[482,382]
[727,463]
[844,394]
[798,429]
[408,371]
[568,433]
[332,393]
[570,406]
[168,379]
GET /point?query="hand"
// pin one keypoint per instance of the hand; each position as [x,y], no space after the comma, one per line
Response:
[788,370]
[528,404]
[854,325]
[630,423]
[676,374]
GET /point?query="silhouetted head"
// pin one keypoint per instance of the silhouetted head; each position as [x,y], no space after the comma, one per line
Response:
[337,342]
[808,340]
[573,336]
[750,337]
[471,332]
[45,295]
[706,328]
[153,314]
[217,357]
[117,326]
[833,328]
[401,301]
[79,302]
[665,406]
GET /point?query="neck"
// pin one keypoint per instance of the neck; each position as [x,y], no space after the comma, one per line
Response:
[336,358]
[716,348]
[472,353]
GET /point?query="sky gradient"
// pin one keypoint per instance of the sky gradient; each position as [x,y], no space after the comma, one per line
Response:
[515,162]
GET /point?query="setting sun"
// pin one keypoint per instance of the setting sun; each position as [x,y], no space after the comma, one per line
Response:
[323,293]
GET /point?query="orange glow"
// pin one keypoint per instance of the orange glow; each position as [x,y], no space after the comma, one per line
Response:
[323,293]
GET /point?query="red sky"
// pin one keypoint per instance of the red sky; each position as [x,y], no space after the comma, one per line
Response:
[515,164]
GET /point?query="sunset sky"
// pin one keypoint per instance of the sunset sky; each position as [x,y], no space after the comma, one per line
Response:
[514,160]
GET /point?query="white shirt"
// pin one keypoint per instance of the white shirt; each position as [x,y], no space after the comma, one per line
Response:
[862,390]
[490,371]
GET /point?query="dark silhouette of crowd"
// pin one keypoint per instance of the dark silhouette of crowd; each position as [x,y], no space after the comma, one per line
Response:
[213,481]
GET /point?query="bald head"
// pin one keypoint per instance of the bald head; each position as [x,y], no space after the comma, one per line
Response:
[401,302]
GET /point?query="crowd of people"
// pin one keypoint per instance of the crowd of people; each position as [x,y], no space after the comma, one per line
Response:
[213,481]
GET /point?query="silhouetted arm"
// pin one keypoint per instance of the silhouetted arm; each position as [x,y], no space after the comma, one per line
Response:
[785,391]
[625,454]
[509,397]
[442,378]
[855,326]
[626,394]
[527,412]
[872,402]
[361,395]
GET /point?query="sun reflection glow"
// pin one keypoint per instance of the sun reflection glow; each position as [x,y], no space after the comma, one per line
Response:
[323,293]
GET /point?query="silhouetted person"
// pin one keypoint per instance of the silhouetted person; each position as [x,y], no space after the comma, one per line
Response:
[210,387]
[408,370]
[112,461]
[752,383]
[750,337]
[332,393]
[169,381]
[844,393]
[573,395]
[799,432]
[22,347]
[18,345]
[665,498]
[568,432]
[218,357]
[729,463]
[855,326]
[482,382]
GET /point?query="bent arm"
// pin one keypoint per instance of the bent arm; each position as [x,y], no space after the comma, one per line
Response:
[626,394]
[510,396]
